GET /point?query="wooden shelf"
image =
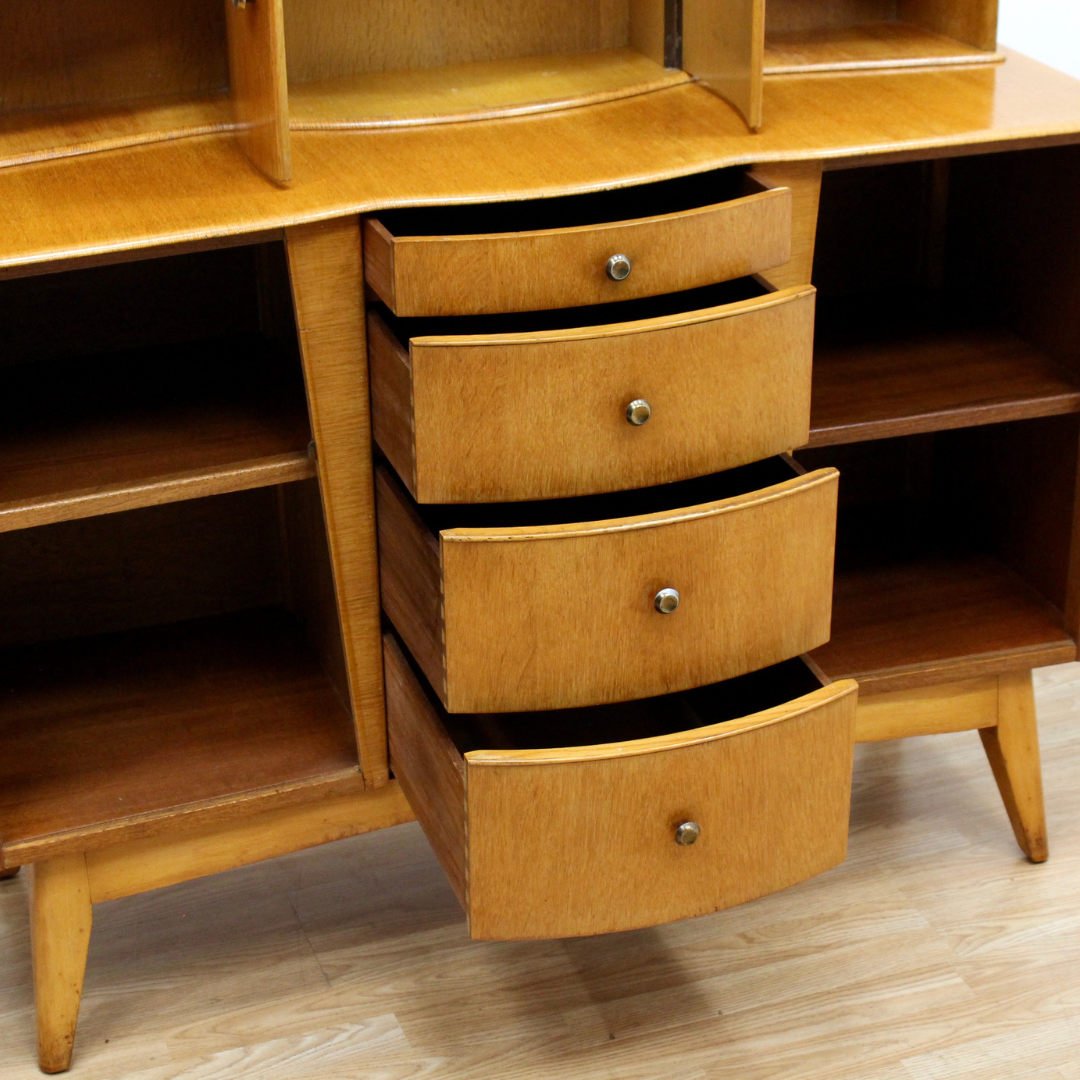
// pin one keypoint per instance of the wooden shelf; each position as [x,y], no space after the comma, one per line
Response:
[482,90]
[866,47]
[98,435]
[932,382]
[938,620]
[113,737]
[33,135]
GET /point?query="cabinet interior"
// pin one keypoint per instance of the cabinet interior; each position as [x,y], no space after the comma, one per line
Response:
[388,62]
[945,297]
[170,635]
[136,383]
[953,552]
[946,388]
[79,74]
[808,35]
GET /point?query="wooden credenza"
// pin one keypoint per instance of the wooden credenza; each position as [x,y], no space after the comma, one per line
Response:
[573,432]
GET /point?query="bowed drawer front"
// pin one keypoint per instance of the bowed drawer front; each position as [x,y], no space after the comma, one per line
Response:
[600,262]
[498,417]
[507,609]
[592,838]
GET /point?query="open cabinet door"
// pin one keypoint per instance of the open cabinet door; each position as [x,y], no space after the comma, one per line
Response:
[723,46]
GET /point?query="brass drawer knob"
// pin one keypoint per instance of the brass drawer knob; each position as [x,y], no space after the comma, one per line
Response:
[687,833]
[666,601]
[618,267]
[638,411]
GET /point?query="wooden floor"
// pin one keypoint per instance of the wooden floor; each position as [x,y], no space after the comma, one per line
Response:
[935,952]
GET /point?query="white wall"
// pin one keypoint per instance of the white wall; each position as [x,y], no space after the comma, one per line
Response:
[1048,30]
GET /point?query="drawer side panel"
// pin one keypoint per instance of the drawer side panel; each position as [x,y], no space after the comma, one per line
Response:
[427,765]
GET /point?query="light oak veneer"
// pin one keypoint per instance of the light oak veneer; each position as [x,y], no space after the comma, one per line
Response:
[499,417]
[203,189]
[552,616]
[581,840]
[537,269]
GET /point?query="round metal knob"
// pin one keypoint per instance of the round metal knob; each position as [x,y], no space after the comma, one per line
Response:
[666,601]
[638,411]
[687,833]
[618,267]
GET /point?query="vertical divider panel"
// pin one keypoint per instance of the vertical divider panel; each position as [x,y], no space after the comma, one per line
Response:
[723,46]
[260,91]
[327,274]
[647,28]
[804,180]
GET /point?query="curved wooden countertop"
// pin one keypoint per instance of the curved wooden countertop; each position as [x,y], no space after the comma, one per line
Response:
[202,190]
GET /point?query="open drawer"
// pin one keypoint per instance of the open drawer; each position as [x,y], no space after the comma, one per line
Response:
[579,249]
[548,605]
[580,400]
[593,820]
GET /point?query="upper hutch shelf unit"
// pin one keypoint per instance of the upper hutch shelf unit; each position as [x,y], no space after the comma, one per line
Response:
[853,35]
[76,78]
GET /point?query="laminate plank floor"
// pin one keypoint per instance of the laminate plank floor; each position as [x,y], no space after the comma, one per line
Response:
[936,951]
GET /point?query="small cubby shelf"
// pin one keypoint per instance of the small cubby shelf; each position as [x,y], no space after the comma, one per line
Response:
[806,36]
[96,75]
[933,311]
[145,383]
[953,553]
[875,389]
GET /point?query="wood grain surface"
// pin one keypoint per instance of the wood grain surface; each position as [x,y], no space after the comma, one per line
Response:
[60,920]
[1012,748]
[64,52]
[794,15]
[475,91]
[933,382]
[543,415]
[770,792]
[554,616]
[530,271]
[723,47]
[120,737]
[928,710]
[803,178]
[325,269]
[878,46]
[154,863]
[428,766]
[937,621]
[599,854]
[131,200]
[258,85]
[330,38]
[970,21]
[72,130]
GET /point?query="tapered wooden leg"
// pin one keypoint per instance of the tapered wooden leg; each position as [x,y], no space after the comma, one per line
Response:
[60,918]
[1013,750]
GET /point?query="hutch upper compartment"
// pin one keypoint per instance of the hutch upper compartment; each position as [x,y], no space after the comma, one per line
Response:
[76,77]
[839,35]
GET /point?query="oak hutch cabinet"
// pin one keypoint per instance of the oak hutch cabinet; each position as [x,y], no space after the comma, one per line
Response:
[549,420]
